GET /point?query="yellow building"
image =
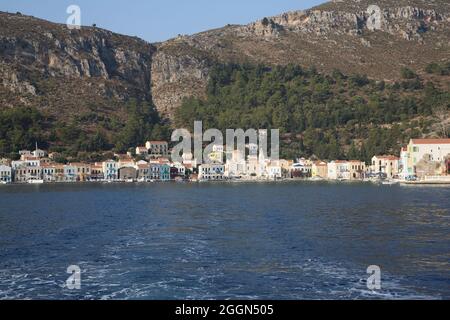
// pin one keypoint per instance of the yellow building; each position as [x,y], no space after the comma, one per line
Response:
[320,170]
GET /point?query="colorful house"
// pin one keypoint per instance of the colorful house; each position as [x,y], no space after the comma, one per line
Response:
[157,149]
[5,174]
[386,165]
[319,170]
[425,150]
[110,170]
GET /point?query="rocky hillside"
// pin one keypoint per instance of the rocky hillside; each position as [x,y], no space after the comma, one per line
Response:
[66,73]
[411,33]
[70,72]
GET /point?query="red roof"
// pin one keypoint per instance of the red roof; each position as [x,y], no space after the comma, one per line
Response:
[392,158]
[431,141]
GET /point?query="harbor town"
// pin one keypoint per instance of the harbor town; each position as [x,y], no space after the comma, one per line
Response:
[422,161]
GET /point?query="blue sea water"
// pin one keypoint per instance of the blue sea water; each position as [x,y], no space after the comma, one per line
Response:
[224,241]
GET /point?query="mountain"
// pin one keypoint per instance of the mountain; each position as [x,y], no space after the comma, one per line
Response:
[86,78]
[334,35]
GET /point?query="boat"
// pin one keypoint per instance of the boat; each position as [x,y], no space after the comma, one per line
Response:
[389,182]
[35,181]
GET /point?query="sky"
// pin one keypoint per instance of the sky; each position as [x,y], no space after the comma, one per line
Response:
[157,20]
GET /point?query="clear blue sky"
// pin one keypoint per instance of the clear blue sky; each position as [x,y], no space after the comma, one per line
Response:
[157,20]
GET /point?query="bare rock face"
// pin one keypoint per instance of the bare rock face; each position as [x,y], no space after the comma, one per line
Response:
[40,60]
[35,53]
[340,34]
[175,77]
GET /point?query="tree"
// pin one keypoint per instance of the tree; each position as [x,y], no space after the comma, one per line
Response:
[408,73]
[442,115]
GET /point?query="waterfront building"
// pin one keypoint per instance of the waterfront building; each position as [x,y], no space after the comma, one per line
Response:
[338,170]
[48,172]
[5,174]
[211,172]
[157,149]
[319,169]
[164,172]
[19,172]
[154,171]
[386,165]
[422,155]
[143,171]
[83,171]
[255,167]
[110,170]
[70,173]
[128,173]
[356,170]
[125,161]
[180,169]
[236,166]
[302,168]
[97,172]
[273,170]
[286,168]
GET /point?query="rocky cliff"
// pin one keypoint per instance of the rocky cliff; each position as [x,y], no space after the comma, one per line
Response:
[98,70]
[67,72]
[353,35]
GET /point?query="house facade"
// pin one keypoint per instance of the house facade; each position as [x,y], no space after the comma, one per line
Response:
[70,173]
[128,173]
[83,171]
[142,151]
[319,170]
[338,170]
[422,153]
[110,170]
[5,174]
[157,149]
[356,170]
[386,165]
[211,172]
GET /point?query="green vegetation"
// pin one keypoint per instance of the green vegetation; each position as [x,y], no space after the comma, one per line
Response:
[21,128]
[330,116]
[438,69]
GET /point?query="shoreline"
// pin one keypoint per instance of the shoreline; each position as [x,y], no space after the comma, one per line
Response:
[240,181]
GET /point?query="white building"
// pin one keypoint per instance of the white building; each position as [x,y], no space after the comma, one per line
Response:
[338,170]
[387,165]
[5,174]
[211,172]
[38,153]
[434,150]
[236,166]
[110,170]
[70,173]
[273,170]
[142,151]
